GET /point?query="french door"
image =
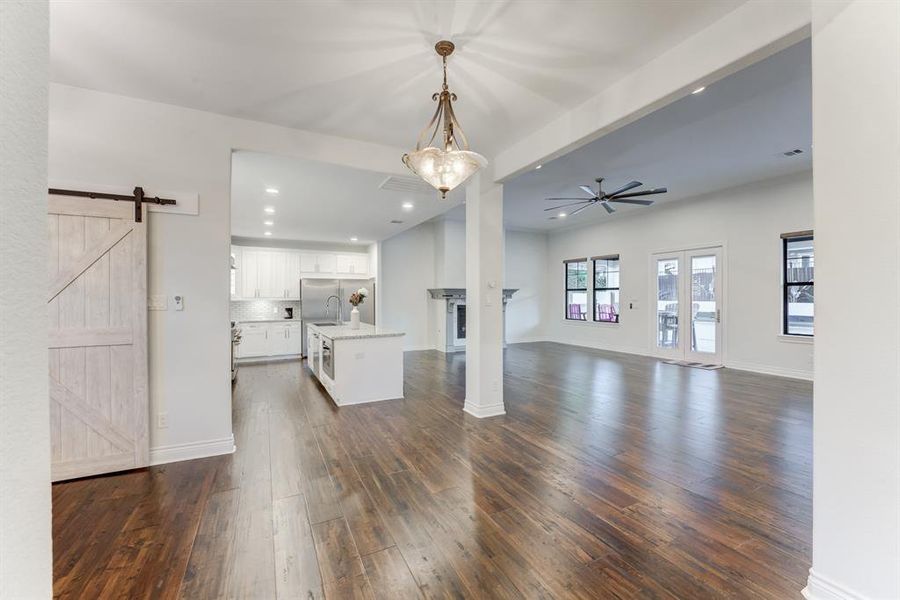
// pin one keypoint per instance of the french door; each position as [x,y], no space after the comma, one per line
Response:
[688,305]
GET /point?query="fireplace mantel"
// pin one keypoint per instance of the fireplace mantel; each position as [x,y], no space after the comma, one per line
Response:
[460,293]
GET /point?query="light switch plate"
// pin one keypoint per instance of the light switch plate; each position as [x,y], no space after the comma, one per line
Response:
[157,302]
[179,302]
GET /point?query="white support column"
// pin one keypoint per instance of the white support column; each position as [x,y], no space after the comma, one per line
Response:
[484,298]
[856,188]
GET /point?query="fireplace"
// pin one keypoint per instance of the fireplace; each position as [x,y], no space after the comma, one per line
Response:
[451,317]
[461,321]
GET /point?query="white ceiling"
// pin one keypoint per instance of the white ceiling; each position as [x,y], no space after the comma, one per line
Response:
[322,202]
[733,133]
[366,70]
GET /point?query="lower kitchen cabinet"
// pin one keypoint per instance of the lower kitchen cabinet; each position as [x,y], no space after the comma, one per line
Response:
[254,340]
[270,339]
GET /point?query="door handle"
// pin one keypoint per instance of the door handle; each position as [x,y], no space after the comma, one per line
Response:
[718,315]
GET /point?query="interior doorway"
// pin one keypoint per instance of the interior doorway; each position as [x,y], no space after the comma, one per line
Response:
[688,303]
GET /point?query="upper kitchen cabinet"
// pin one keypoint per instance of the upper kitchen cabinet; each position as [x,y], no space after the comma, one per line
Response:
[276,273]
[317,264]
[267,273]
[352,265]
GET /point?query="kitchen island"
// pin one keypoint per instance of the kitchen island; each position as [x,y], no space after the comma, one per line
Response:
[356,365]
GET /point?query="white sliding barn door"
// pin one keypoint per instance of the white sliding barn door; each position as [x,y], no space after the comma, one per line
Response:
[97,309]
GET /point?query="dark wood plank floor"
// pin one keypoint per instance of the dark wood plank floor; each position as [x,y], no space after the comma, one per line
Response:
[611,476]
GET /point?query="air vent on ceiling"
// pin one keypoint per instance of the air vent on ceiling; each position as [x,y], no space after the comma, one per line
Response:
[396,222]
[793,152]
[410,185]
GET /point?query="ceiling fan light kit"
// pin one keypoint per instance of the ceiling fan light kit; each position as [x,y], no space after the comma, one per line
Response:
[448,166]
[605,199]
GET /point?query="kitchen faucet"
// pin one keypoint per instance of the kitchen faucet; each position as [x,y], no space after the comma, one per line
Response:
[340,309]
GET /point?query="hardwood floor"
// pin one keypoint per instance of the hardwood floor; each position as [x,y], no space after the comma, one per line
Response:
[611,476]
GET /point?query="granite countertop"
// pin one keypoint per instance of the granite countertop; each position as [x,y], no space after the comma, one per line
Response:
[343,332]
[270,321]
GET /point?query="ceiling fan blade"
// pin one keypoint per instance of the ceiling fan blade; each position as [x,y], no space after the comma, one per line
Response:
[608,208]
[588,190]
[632,201]
[565,205]
[572,198]
[630,186]
[578,210]
[644,193]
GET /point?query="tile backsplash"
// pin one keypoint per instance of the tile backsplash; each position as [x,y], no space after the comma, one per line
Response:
[249,310]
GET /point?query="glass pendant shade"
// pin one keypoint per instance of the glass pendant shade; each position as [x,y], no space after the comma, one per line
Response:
[444,170]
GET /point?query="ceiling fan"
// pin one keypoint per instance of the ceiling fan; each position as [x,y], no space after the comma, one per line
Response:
[604,199]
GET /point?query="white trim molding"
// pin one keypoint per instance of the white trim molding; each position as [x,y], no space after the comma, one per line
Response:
[482,412]
[178,452]
[769,370]
[822,588]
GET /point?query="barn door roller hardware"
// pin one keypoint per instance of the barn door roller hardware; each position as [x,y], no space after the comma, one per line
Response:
[138,198]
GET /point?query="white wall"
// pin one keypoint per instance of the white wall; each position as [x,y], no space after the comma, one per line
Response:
[748,220]
[25,542]
[104,139]
[525,268]
[407,272]
[442,243]
[856,438]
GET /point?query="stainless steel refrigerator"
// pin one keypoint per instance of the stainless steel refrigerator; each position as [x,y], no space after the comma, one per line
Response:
[315,292]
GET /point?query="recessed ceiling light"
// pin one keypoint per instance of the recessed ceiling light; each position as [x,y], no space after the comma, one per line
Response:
[269,210]
[271,190]
[562,215]
[268,223]
[407,206]
[267,233]
[538,167]
[354,239]
[699,89]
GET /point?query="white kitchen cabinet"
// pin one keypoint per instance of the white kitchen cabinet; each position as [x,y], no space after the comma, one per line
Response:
[294,338]
[275,273]
[270,339]
[352,265]
[278,340]
[309,262]
[249,273]
[269,274]
[317,263]
[254,341]
[292,275]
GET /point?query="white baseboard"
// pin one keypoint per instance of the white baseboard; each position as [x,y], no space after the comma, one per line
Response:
[822,588]
[418,348]
[177,452]
[769,370]
[482,412]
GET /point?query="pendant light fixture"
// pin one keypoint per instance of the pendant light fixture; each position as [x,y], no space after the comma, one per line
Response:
[449,165]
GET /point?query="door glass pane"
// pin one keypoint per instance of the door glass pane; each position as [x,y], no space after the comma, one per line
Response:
[703,304]
[667,303]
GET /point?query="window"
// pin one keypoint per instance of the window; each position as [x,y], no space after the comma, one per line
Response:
[606,289]
[799,270]
[577,289]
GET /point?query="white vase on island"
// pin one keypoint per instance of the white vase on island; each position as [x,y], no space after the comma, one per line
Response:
[354,318]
